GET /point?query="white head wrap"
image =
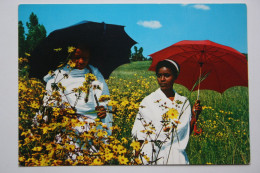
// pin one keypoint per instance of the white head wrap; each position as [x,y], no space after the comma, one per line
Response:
[174,63]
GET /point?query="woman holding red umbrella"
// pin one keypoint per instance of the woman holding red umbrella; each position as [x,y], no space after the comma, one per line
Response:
[169,116]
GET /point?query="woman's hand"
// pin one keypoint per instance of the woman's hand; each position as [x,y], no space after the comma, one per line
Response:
[196,109]
[101,112]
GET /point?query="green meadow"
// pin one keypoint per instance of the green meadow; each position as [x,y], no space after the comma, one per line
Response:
[224,120]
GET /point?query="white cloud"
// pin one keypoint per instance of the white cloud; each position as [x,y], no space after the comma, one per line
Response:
[154,24]
[201,7]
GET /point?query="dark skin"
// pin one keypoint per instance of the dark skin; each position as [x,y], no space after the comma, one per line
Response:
[81,58]
[166,80]
[101,112]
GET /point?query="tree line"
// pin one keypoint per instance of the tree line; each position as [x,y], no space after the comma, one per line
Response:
[28,41]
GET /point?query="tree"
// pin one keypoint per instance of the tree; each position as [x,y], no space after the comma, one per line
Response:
[137,55]
[36,32]
[21,39]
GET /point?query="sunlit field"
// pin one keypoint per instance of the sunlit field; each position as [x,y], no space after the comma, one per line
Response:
[224,122]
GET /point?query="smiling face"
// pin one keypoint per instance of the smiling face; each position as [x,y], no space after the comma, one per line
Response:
[165,78]
[81,58]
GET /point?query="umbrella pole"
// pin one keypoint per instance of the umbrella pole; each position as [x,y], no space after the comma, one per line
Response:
[196,132]
[199,83]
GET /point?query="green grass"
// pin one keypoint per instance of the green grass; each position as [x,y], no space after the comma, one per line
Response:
[127,71]
[224,121]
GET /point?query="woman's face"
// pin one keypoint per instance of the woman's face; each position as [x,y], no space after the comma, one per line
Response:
[81,58]
[165,78]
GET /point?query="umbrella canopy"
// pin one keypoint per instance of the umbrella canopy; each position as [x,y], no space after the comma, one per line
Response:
[109,47]
[225,66]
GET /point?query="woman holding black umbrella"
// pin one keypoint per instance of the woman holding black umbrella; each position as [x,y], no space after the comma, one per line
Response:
[165,120]
[71,77]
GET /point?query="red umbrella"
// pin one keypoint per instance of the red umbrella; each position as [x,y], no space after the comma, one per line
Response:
[210,65]
[224,66]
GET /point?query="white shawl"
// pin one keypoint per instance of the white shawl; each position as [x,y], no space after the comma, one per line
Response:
[75,79]
[151,110]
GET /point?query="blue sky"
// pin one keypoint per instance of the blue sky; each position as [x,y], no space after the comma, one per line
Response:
[153,26]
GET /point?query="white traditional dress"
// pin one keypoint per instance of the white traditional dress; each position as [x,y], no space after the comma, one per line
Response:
[151,110]
[75,79]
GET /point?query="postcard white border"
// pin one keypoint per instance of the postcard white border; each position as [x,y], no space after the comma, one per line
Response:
[9,95]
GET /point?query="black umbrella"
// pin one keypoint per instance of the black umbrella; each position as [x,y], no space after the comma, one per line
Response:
[109,46]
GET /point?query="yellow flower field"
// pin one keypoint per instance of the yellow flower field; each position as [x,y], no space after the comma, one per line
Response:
[224,122]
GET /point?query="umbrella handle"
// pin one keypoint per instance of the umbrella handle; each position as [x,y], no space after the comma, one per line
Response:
[196,132]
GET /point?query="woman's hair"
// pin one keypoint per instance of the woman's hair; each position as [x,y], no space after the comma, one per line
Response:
[172,65]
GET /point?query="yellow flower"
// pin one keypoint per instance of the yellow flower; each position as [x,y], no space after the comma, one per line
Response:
[124,140]
[104,98]
[57,162]
[70,111]
[135,145]
[57,49]
[44,161]
[146,158]
[115,149]
[101,134]
[122,160]
[107,150]
[109,156]
[97,161]
[74,122]
[21,159]
[69,161]
[60,65]
[58,147]
[51,153]
[90,77]
[138,161]
[22,86]
[121,149]
[71,64]
[87,136]
[49,147]
[27,54]
[81,123]
[80,158]
[63,88]
[35,105]
[124,103]
[21,60]
[27,133]
[37,149]
[75,90]
[70,147]
[45,129]
[112,103]
[71,49]
[173,114]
